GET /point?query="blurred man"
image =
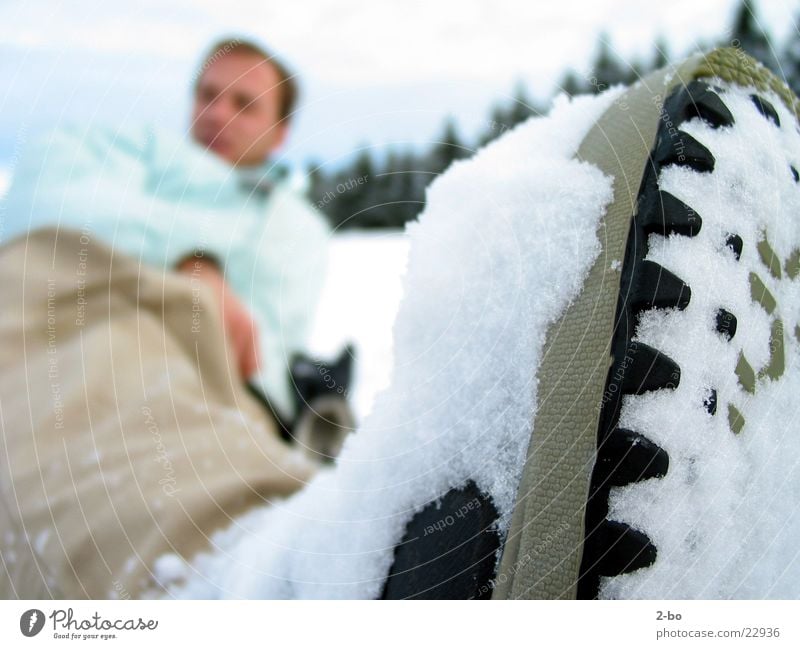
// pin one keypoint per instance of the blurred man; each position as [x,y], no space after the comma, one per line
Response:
[147,278]
[227,219]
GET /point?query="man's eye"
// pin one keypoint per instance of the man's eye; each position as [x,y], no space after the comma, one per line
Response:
[206,95]
[244,104]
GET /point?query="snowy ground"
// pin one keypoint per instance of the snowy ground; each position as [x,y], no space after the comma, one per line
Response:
[359,304]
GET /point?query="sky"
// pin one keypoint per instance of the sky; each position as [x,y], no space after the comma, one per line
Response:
[372,73]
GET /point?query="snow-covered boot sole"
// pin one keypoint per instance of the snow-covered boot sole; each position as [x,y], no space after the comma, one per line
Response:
[596,372]
[687,310]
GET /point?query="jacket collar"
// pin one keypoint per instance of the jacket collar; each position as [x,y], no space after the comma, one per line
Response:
[262,180]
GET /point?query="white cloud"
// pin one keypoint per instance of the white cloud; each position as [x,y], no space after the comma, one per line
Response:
[355,42]
[371,71]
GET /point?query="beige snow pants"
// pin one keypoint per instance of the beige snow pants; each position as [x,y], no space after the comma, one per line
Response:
[126,433]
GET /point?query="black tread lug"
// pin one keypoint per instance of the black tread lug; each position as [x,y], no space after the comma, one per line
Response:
[682,149]
[626,457]
[726,323]
[449,550]
[710,402]
[735,243]
[644,369]
[698,99]
[766,109]
[618,548]
[669,215]
[657,288]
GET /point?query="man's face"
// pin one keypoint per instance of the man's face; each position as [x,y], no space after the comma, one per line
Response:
[236,109]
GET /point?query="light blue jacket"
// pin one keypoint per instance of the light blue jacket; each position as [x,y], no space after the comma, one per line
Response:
[161,198]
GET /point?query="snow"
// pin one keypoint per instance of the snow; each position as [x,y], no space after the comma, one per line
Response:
[169,566]
[40,542]
[725,518]
[359,302]
[480,291]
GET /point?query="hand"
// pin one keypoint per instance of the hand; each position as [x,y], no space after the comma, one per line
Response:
[239,327]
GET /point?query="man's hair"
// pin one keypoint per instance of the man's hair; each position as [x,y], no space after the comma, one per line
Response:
[288,84]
